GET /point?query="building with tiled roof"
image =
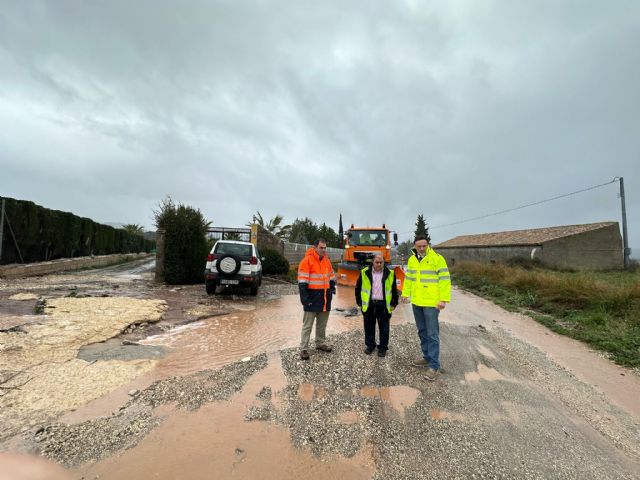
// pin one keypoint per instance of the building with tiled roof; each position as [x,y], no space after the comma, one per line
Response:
[579,247]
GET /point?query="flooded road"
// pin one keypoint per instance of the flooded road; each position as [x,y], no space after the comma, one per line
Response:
[216,441]
[252,327]
[223,393]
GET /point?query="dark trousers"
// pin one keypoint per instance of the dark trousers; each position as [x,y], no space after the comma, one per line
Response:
[377,312]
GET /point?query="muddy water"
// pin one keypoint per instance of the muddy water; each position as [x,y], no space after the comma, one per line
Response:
[399,397]
[266,326]
[216,442]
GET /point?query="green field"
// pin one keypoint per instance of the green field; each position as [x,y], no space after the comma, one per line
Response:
[599,308]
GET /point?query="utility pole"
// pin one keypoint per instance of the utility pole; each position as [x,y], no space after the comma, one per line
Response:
[1,226]
[625,238]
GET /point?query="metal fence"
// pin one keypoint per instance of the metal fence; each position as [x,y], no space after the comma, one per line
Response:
[295,252]
[224,233]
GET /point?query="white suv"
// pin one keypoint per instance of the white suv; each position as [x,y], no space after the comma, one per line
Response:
[233,263]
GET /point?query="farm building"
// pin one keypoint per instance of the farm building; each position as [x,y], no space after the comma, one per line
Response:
[594,246]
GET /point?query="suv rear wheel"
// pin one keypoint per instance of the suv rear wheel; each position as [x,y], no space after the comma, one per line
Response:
[211,288]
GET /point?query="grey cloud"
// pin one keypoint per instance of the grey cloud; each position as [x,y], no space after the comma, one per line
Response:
[316,109]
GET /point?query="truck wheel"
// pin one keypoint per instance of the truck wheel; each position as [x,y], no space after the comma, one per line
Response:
[211,288]
[254,291]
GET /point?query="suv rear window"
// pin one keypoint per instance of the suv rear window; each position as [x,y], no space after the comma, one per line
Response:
[234,249]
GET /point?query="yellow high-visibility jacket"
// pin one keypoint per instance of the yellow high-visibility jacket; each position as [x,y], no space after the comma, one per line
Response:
[427,282]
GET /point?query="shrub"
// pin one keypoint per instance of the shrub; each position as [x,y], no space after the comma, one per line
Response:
[274,262]
[185,243]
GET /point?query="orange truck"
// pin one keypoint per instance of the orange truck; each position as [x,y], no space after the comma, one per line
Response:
[361,244]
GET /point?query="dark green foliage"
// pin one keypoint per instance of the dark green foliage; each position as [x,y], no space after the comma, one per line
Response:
[42,234]
[404,248]
[185,242]
[306,231]
[421,228]
[274,263]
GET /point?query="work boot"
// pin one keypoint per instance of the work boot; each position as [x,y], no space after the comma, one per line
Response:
[304,355]
[382,353]
[420,362]
[430,374]
[368,350]
[324,348]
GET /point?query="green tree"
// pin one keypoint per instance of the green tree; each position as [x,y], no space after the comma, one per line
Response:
[340,233]
[421,228]
[404,248]
[330,235]
[303,231]
[133,229]
[306,231]
[185,243]
[274,225]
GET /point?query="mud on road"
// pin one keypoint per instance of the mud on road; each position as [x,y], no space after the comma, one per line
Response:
[169,382]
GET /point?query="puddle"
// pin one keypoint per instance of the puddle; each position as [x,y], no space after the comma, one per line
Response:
[349,417]
[444,415]
[274,325]
[399,397]
[483,373]
[216,442]
[305,392]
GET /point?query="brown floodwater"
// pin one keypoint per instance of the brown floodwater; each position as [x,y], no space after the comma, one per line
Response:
[266,326]
[216,442]
[399,397]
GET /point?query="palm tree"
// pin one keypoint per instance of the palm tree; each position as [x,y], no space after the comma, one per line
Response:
[134,229]
[274,225]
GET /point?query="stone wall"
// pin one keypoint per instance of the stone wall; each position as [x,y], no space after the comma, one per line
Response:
[263,238]
[65,264]
[595,250]
[486,254]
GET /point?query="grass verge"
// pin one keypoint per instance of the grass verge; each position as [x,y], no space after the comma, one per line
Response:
[601,309]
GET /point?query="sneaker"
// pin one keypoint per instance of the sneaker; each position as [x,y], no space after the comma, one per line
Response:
[324,348]
[368,350]
[420,362]
[382,353]
[304,355]
[431,374]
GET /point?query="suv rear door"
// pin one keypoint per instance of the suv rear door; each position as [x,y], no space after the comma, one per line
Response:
[241,251]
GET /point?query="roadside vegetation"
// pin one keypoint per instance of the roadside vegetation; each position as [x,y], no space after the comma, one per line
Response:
[185,243]
[598,308]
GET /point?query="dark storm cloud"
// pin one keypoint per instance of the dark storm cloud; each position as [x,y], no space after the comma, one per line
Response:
[379,110]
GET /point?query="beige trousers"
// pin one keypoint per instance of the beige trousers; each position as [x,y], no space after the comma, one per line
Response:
[321,319]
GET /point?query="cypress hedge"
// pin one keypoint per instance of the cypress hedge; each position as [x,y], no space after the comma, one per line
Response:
[42,234]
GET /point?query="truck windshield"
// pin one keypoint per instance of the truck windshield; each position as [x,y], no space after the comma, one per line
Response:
[374,238]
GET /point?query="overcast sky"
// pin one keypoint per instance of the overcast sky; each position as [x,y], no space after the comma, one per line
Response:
[379,110]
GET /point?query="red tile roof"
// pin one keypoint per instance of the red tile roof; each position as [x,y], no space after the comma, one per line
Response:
[534,236]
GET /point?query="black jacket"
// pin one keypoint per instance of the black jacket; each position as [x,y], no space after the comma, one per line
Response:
[385,274]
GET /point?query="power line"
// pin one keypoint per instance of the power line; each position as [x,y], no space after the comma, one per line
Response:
[523,206]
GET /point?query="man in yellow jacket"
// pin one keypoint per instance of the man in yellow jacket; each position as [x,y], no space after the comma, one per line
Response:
[427,284]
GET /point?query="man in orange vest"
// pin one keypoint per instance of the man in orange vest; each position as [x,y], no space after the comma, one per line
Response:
[317,285]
